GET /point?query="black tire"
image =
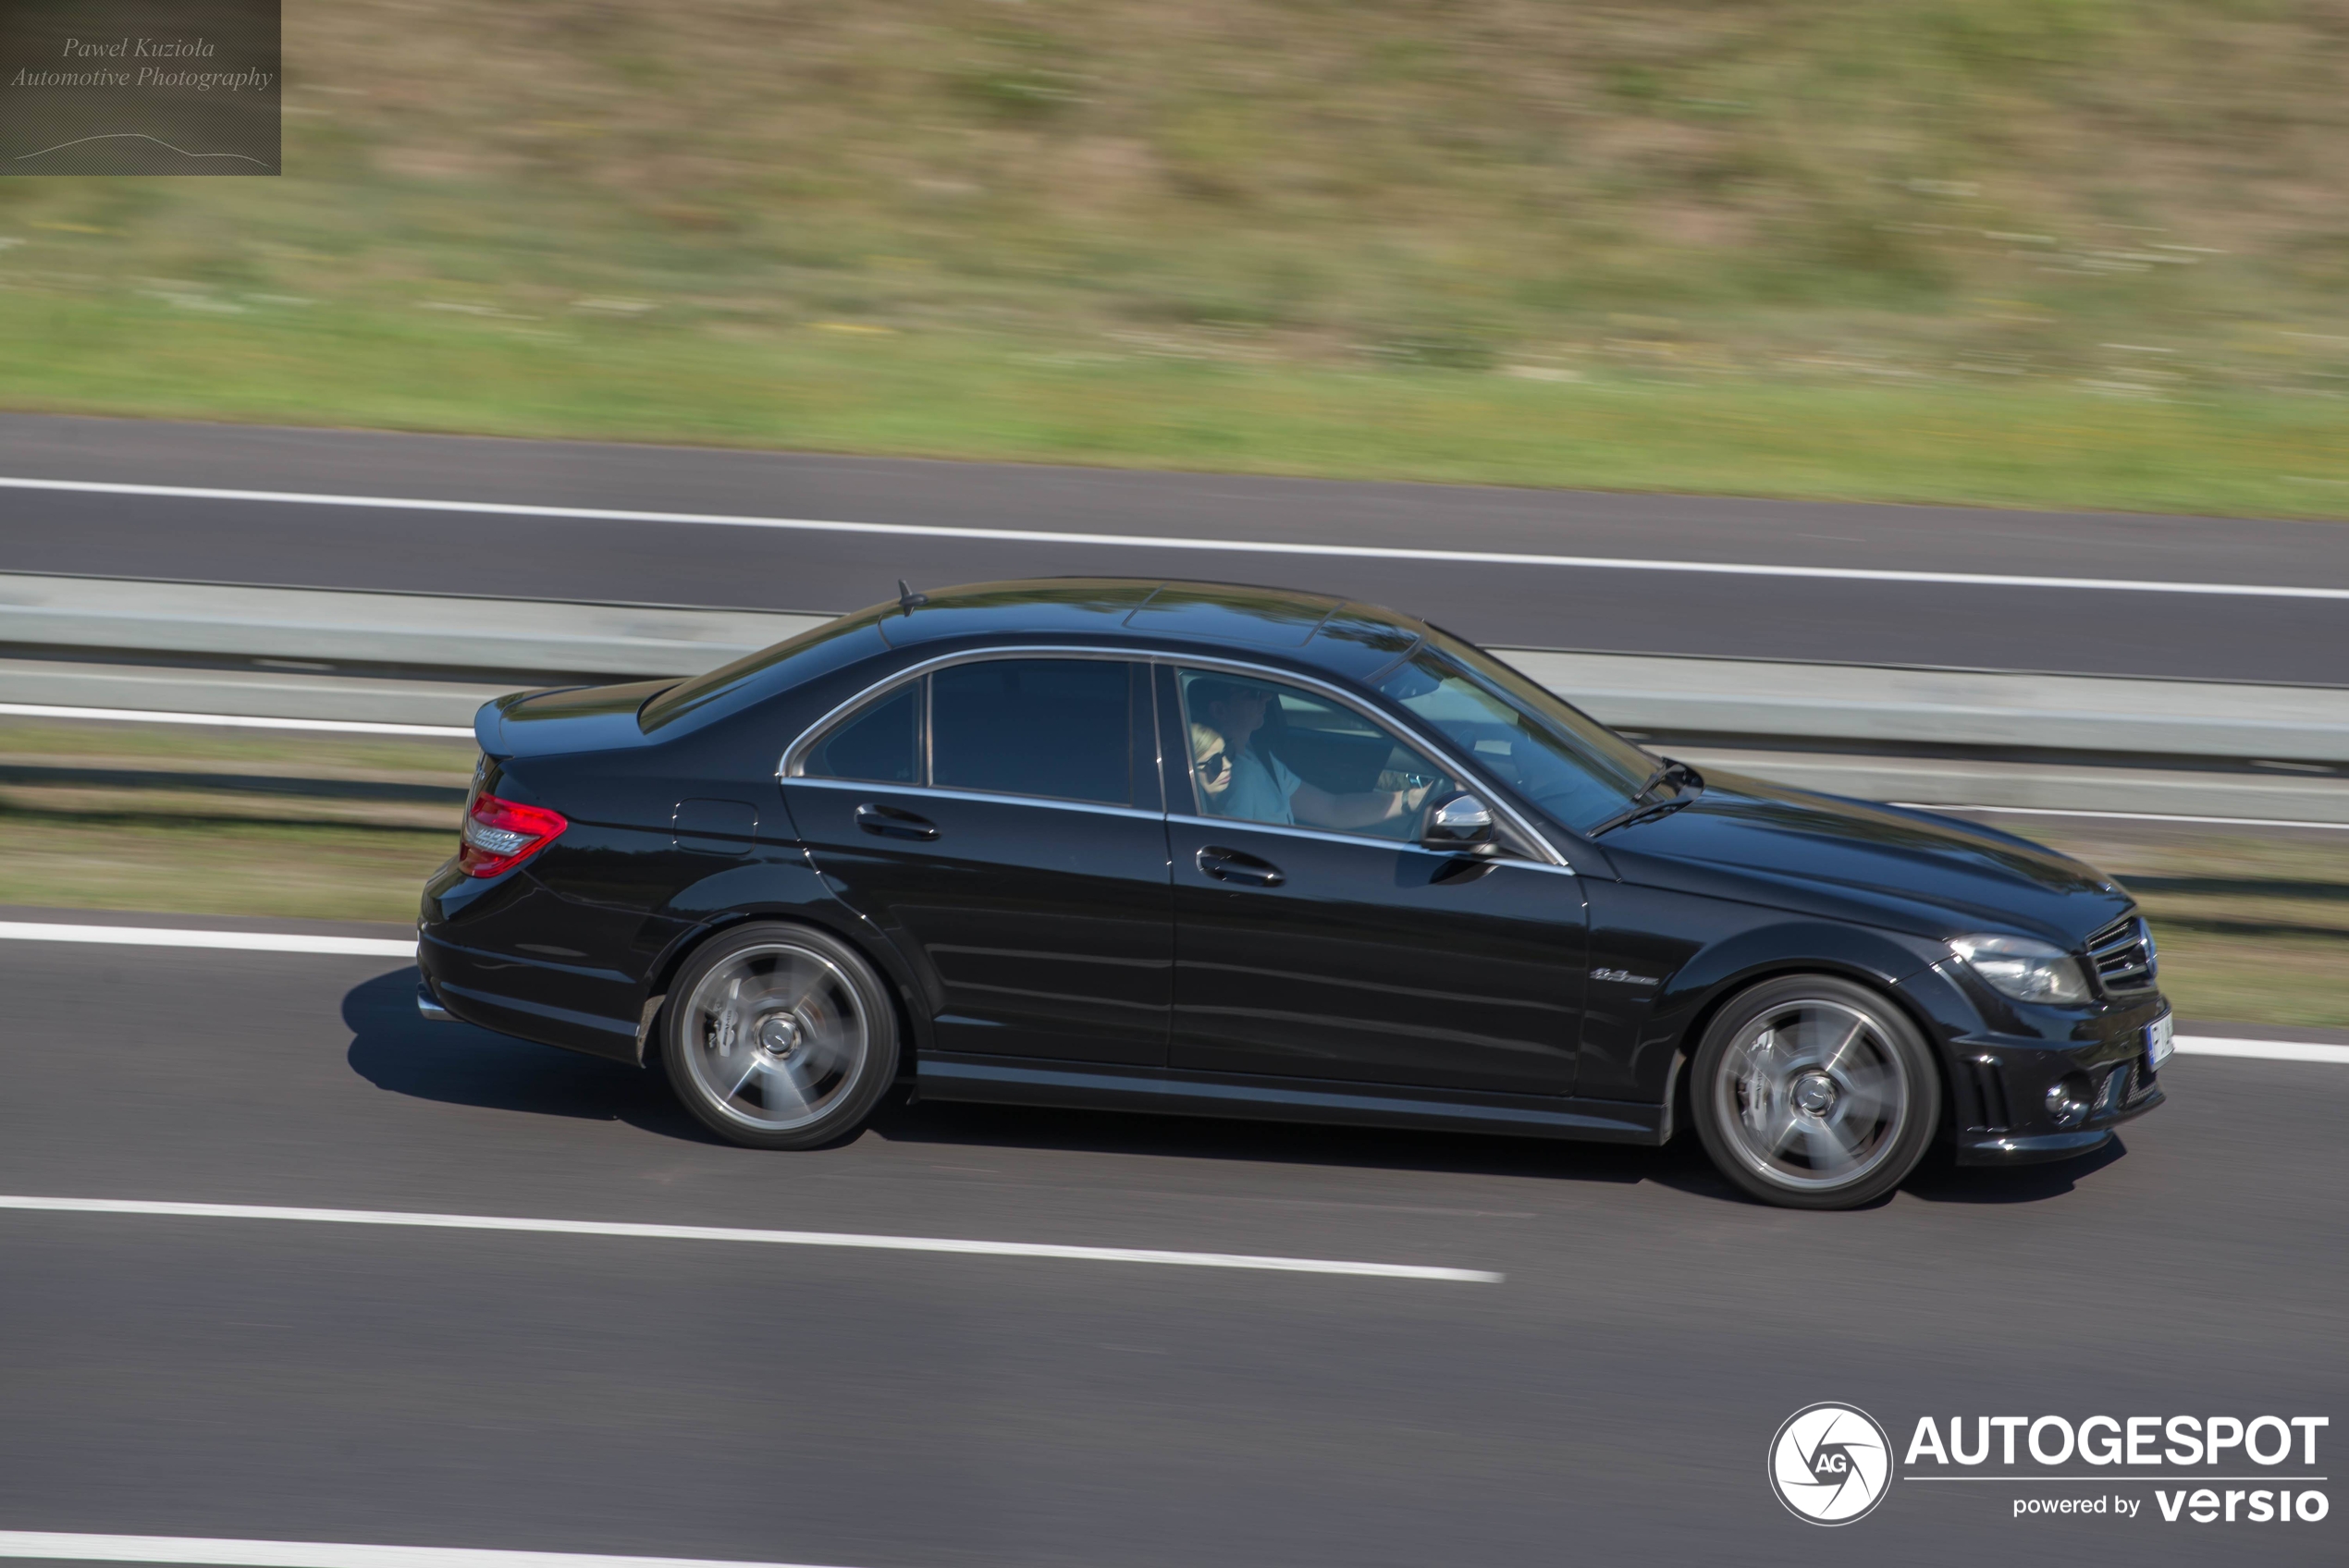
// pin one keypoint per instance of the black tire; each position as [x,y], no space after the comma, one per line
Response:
[795,1021]
[1811,1092]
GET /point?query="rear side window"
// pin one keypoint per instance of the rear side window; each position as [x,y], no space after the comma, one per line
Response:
[1056,727]
[880,744]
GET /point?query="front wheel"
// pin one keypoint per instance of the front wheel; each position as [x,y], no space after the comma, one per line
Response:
[779,1036]
[1815,1093]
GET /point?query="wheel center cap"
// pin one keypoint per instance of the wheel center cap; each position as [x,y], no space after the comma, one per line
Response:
[1814,1093]
[778,1034]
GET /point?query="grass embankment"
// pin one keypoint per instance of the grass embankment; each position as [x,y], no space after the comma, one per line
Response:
[2010,252]
[165,844]
[2253,926]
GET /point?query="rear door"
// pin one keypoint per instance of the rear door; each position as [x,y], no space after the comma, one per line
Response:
[999,819]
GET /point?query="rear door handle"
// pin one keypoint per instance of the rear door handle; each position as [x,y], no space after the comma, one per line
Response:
[1231,865]
[892,823]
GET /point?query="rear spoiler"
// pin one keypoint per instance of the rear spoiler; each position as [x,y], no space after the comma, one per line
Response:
[489,725]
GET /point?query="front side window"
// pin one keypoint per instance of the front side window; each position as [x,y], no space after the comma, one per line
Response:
[1572,767]
[1057,728]
[1265,751]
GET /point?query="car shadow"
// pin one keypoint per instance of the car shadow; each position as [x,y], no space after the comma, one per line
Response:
[396,1048]
[1941,1179]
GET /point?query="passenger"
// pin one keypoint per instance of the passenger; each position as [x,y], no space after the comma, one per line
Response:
[1262,787]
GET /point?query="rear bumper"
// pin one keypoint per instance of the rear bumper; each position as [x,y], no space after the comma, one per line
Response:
[514,996]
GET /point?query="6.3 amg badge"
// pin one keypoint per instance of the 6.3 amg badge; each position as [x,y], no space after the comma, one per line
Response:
[1830,1464]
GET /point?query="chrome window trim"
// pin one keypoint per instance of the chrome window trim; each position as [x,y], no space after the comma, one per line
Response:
[788,767]
[1328,836]
[933,792]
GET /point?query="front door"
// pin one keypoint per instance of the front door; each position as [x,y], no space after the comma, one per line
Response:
[998,821]
[1315,938]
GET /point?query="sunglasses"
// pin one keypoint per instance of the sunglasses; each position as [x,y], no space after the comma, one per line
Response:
[1214,766]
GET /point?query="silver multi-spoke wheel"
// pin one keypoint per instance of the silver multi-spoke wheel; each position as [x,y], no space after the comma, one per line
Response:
[777,1036]
[1815,1092]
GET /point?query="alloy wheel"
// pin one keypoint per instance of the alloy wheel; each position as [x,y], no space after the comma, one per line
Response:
[775,1036]
[1812,1094]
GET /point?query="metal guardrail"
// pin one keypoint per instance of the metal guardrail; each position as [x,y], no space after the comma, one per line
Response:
[418,659]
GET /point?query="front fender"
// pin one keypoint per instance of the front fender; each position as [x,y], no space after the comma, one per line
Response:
[1687,999]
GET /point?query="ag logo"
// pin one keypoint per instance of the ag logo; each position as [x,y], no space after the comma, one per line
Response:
[1830,1464]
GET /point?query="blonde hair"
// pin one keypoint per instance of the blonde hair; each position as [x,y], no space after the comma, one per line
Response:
[1206,742]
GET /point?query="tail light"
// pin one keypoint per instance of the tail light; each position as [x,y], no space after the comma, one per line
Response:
[500,835]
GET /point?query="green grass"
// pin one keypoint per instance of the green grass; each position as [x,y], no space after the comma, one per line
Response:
[967,395]
[188,865]
[2077,252]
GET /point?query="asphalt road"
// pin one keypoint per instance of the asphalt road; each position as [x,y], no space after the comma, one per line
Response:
[2072,629]
[1609,1402]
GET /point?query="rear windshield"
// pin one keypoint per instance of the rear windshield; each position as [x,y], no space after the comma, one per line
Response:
[691,696]
[1560,758]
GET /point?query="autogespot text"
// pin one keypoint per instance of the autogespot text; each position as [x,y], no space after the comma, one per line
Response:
[2224,1447]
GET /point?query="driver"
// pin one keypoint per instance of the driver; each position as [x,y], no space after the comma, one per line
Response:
[1252,783]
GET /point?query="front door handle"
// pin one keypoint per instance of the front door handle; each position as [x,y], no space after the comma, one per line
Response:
[892,823]
[1231,865]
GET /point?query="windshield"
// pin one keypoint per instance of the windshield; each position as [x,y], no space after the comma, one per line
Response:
[1563,761]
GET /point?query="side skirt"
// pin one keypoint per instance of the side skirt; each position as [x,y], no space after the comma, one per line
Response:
[1174,1092]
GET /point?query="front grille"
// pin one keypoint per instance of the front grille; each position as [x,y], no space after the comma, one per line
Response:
[2122,956]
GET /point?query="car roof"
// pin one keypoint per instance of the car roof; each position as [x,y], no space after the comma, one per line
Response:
[1317,630]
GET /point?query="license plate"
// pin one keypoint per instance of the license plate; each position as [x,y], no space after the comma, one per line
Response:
[2160,1040]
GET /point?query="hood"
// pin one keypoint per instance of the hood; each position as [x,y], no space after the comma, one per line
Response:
[1931,874]
[565,719]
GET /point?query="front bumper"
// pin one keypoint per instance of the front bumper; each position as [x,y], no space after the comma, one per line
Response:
[2002,1095]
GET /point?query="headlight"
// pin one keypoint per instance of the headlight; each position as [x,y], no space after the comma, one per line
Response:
[2026,969]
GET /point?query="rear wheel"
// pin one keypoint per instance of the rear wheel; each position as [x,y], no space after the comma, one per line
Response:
[1815,1093]
[779,1036]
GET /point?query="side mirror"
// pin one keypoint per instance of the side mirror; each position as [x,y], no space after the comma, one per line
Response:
[1459,822]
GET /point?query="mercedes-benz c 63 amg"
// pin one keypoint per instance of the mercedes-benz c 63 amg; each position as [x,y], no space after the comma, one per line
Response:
[1234,852]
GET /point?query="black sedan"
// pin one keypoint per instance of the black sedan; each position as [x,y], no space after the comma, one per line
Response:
[1237,851]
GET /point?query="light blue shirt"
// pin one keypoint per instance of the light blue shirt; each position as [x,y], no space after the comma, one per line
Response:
[1261,790]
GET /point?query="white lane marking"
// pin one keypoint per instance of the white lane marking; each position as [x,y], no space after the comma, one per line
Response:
[2264,1050]
[236,721]
[244,941]
[1165,542]
[729,1233]
[62,1546]
[2129,815]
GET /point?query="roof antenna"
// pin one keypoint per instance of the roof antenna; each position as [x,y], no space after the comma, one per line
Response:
[907,600]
